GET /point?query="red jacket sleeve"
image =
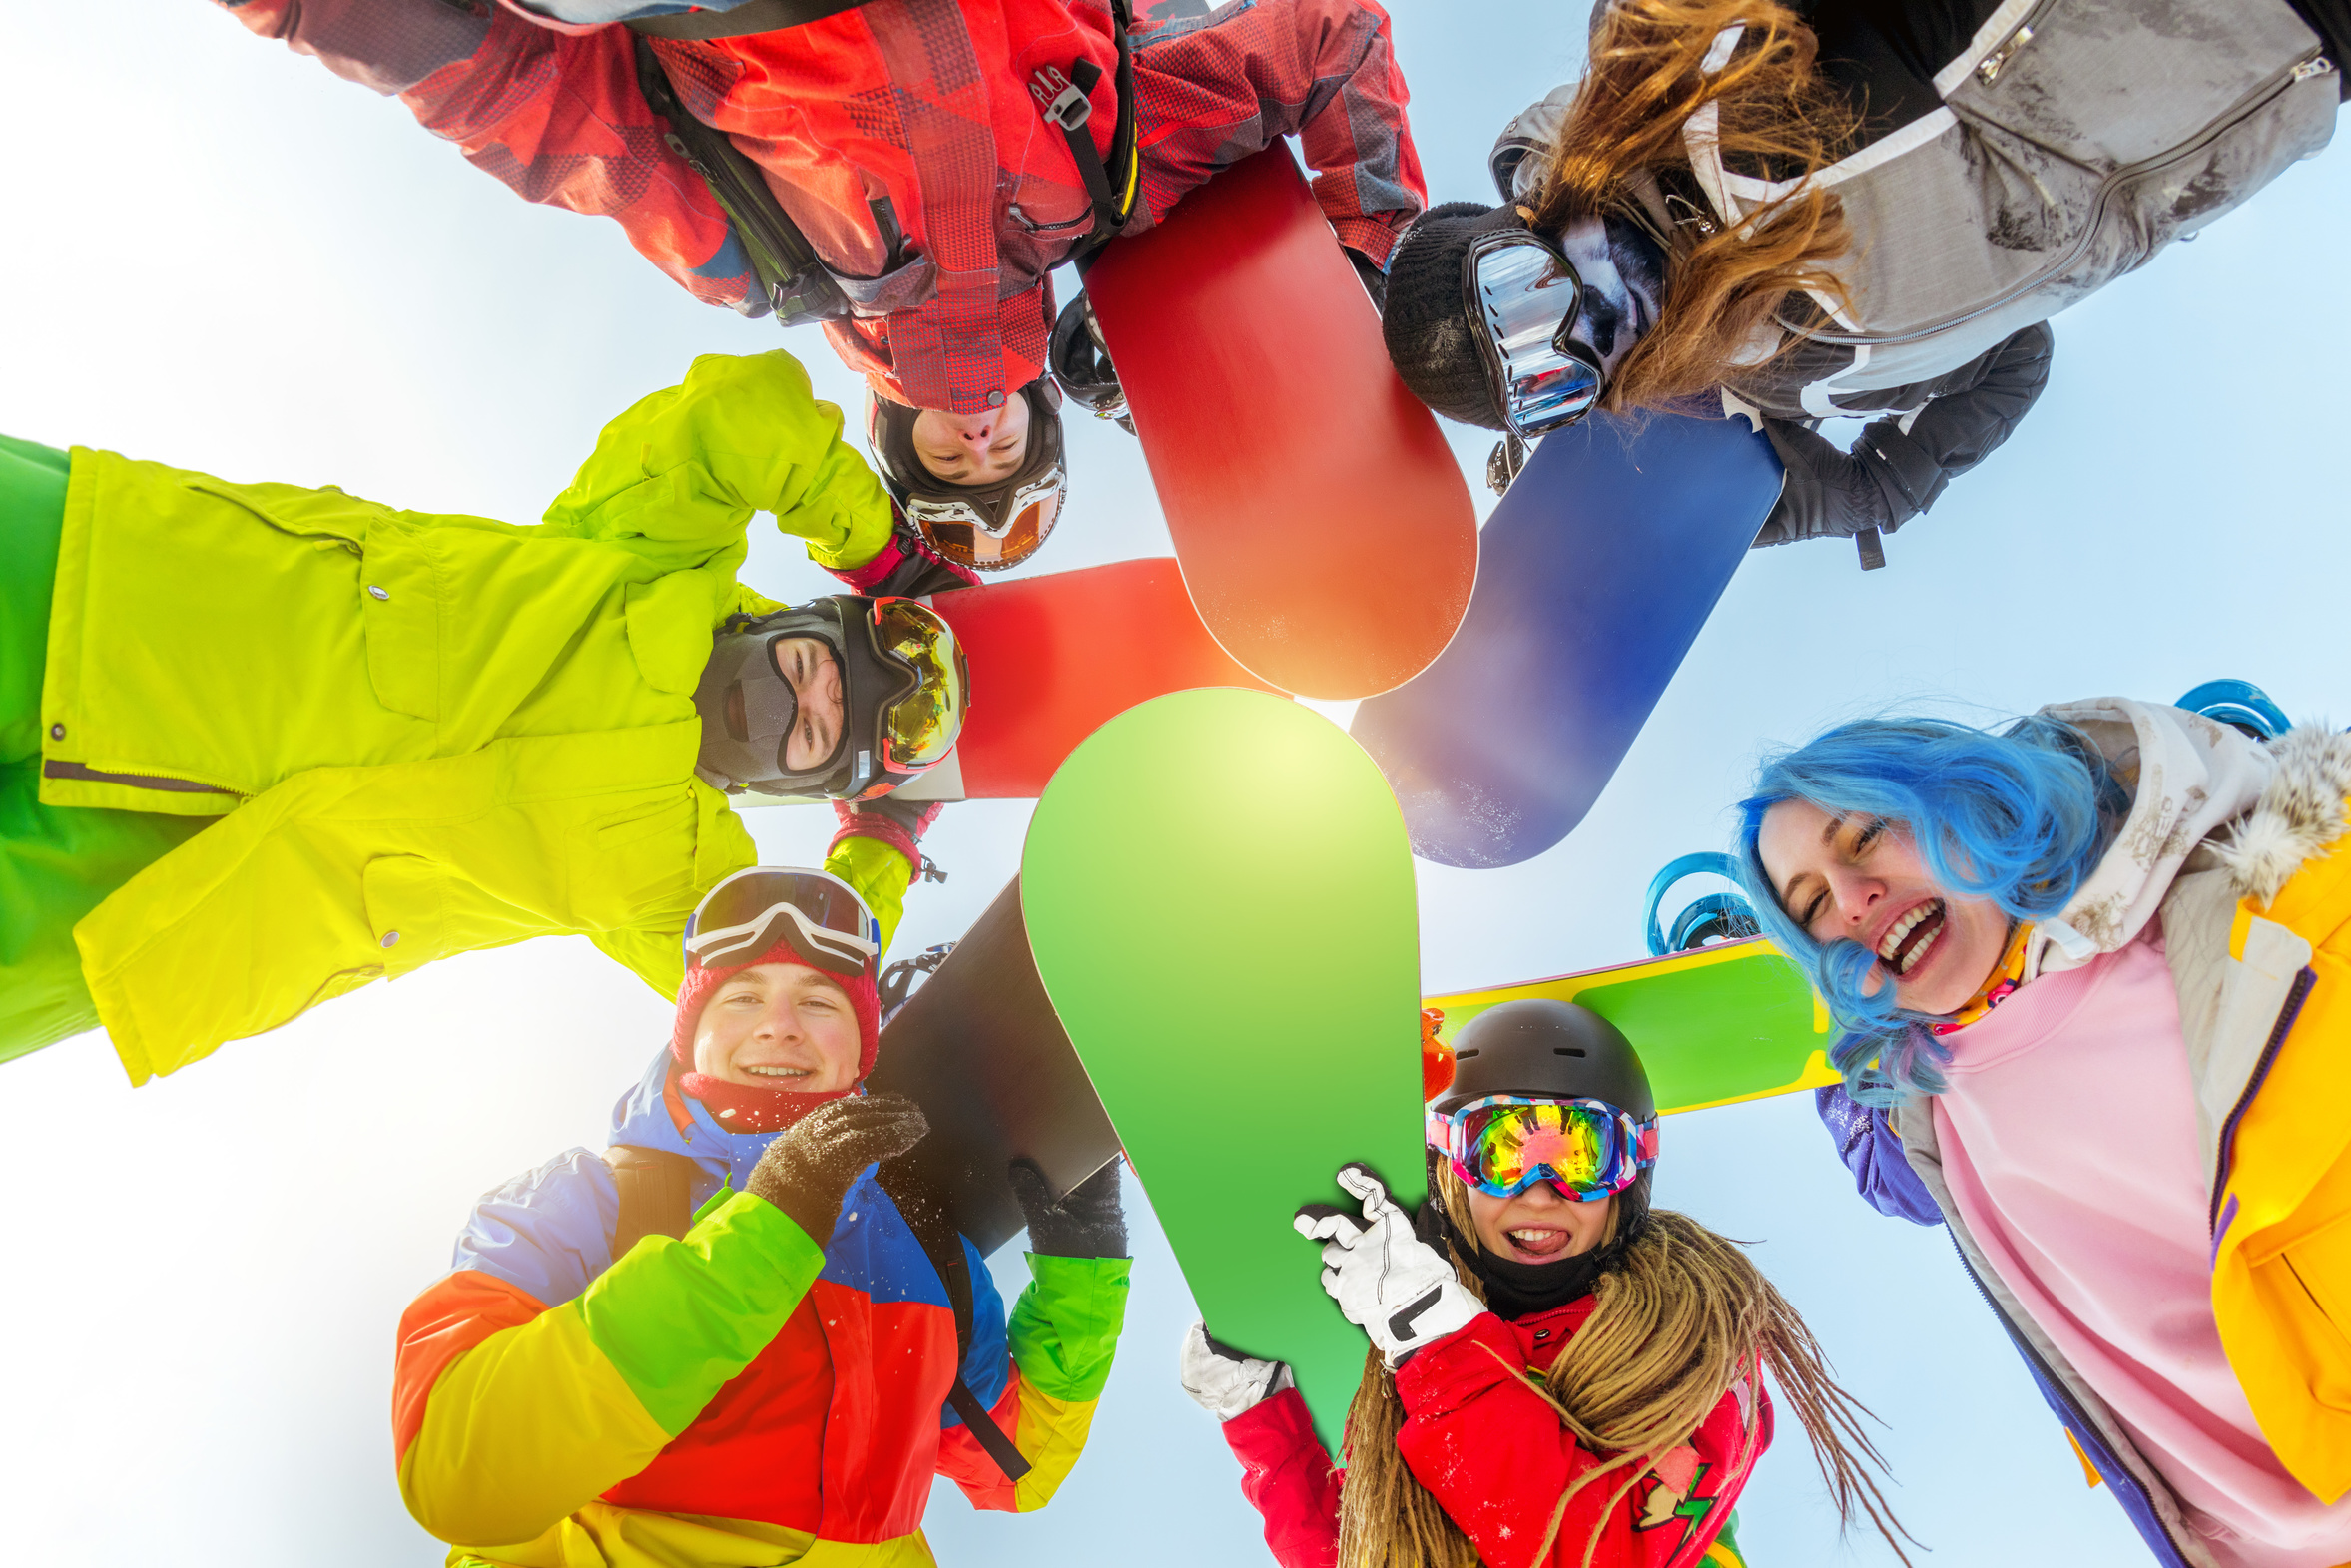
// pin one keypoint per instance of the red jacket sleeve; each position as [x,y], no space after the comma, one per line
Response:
[1323,71]
[1289,1480]
[557,116]
[1490,1447]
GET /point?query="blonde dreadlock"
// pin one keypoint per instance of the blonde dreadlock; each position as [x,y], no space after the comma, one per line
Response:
[1680,1319]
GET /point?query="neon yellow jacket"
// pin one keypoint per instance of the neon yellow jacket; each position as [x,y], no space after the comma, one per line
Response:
[423,734]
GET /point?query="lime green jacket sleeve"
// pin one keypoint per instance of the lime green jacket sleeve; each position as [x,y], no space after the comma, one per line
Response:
[539,1418]
[677,475]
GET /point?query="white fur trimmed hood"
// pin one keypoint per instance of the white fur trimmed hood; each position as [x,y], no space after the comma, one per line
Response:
[2193,783]
[2298,816]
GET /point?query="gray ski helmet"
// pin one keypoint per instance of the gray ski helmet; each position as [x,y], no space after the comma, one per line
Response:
[1081,364]
[904,688]
[1546,1050]
[1425,323]
[991,527]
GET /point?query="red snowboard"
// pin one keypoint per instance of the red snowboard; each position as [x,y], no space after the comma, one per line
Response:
[1324,527]
[1054,657]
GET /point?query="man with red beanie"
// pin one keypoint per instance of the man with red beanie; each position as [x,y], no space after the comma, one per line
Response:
[740,1333]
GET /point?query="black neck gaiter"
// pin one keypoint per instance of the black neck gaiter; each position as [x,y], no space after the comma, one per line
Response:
[1514,1290]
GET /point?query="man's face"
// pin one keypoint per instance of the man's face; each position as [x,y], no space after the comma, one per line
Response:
[814,675]
[779,1026]
[973,450]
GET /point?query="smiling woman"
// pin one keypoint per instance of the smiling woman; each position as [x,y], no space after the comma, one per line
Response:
[1547,1353]
[2099,953]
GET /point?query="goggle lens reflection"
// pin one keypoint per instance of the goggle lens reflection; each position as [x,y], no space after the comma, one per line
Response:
[921,726]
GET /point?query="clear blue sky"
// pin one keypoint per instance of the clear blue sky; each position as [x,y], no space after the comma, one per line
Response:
[221,258]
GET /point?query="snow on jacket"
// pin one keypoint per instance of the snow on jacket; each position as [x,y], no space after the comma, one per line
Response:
[1491,1451]
[2227,842]
[876,127]
[2016,157]
[477,733]
[737,1396]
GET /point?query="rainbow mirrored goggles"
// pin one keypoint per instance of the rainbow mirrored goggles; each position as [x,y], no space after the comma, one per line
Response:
[1506,1143]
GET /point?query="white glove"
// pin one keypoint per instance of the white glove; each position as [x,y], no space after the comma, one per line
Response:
[1225,1383]
[1387,1281]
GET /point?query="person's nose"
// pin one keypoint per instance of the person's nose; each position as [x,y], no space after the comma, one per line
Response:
[1857,895]
[977,435]
[779,1023]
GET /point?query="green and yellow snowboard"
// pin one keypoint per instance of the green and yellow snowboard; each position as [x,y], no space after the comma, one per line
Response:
[1722,1025]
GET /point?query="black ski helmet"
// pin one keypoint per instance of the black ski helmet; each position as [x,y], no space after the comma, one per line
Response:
[1556,1050]
[904,688]
[1425,321]
[1546,1050]
[989,527]
[1081,365]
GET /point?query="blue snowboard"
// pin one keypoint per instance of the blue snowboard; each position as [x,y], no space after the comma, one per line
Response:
[1595,575]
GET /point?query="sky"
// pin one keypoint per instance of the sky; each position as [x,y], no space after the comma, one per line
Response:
[220,257]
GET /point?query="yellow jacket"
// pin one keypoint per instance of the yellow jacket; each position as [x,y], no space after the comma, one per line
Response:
[423,734]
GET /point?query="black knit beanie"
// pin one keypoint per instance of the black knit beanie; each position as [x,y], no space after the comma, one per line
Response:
[1425,321]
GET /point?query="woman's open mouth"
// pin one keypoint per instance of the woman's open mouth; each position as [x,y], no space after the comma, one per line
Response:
[780,1072]
[1535,1243]
[1906,942]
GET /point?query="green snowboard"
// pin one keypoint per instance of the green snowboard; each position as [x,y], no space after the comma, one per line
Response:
[1722,1025]
[1219,894]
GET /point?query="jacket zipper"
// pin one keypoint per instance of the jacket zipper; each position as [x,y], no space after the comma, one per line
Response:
[2118,1475]
[2312,64]
[2286,1015]
[163,781]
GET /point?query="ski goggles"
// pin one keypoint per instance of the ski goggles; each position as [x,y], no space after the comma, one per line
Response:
[1524,296]
[1506,1143]
[966,535]
[819,915]
[920,726]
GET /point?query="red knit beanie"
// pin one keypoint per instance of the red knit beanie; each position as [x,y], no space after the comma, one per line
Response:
[752,1108]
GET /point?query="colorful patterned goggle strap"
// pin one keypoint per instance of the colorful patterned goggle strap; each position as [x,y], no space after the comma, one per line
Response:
[1506,1143]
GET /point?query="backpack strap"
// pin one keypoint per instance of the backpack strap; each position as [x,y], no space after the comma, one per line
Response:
[752,16]
[1067,102]
[655,1195]
[927,1217]
[789,271]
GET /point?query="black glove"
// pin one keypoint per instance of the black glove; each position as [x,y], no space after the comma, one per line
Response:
[809,1167]
[1375,281]
[1086,1223]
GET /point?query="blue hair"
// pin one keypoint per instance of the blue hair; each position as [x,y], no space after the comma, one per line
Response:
[2020,818]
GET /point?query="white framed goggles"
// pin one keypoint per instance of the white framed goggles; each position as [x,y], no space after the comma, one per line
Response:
[819,915]
[965,534]
[1524,296]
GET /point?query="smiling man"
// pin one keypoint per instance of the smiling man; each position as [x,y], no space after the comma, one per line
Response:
[377,737]
[738,1337]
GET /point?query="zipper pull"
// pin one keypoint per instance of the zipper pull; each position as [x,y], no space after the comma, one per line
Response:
[1988,68]
[2316,64]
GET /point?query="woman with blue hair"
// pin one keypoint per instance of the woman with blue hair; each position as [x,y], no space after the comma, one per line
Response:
[2092,977]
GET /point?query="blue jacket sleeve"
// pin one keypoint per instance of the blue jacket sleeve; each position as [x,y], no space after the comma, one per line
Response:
[1866,1141]
[548,1231]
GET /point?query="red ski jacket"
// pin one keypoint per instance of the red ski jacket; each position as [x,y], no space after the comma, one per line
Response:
[1482,1439]
[903,138]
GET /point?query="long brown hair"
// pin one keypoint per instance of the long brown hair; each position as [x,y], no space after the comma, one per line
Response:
[1723,288]
[1681,1318]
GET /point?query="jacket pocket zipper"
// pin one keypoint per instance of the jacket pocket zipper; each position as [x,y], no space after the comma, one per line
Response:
[162,782]
[2313,64]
